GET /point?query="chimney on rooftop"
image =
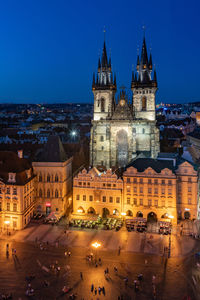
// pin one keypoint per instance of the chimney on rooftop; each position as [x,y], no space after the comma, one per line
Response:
[20,153]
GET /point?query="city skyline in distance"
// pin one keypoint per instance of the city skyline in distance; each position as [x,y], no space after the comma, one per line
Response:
[50,50]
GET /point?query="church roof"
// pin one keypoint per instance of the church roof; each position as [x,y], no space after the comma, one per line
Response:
[142,164]
[53,151]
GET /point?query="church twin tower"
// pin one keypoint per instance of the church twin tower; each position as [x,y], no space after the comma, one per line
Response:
[120,130]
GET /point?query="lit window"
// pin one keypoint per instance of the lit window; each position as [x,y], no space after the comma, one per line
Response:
[77,197]
[117,199]
[14,207]
[135,201]
[91,198]
[8,206]
[149,202]
[84,197]
[128,200]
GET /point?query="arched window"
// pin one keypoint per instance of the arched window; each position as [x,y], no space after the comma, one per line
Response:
[56,193]
[102,105]
[56,178]
[48,193]
[40,193]
[48,178]
[40,178]
[144,103]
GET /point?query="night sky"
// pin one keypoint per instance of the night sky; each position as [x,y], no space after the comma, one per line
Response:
[49,49]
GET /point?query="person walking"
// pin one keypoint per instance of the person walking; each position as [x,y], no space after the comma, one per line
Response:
[92,287]
[95,291]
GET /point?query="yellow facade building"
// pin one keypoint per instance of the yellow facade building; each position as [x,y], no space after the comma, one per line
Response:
[148,188]
[54,178]
[17,196]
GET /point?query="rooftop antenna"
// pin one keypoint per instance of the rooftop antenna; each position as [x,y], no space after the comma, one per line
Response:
[104,31]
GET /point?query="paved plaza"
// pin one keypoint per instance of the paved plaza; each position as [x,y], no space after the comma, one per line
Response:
[176,276]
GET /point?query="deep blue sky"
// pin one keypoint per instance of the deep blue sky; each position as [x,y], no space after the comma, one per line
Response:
[49,49]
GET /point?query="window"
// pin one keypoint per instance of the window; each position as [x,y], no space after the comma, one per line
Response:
[111,199]
[114,185]
[141,201]
[169,182]
[77,197]
[128,189]
[149,190]
[14,191]
[143,130]
[56,178]
[102,105]
[134,201]
[149,181]
[48,193]
[15,207]
[101,138]
[156,202]
[88,183]
[14,224]
[104,199]
[56,193]
[189,201]
[40,178]
[149,202]
[8,206]
[189,179]
[141,180]
[84,183]
[108,185]
[163,182]
[144,103]
[189,189]
[8,191]
[163,202]
[104,184]
[84,197]
[163,191]
[135,180]
[40,193]
[141,190]
[169,191]
[117,199]
[135,189]
[91,198]
[128,180]
[48,178]
[80,183]
[128,200]
[185,170]
[156,191]
[156,181]
[102,148]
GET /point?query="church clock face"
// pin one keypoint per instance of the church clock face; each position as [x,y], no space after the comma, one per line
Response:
[122,102]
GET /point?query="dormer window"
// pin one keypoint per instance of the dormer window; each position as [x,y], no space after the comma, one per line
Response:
[12,177]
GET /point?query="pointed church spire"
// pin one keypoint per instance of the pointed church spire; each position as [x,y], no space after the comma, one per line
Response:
[115,80]
[104,60]
[99,64]
[144,57]
[155,76]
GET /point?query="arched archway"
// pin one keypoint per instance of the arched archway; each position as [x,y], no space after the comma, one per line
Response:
[122,148]
[139,214]
[129,213]
[144,103]
[151,217]
[105,212]
[80,210]
[187,215]
[115,212]
[91,210]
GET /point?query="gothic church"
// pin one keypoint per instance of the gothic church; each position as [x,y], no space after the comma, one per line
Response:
[122,130]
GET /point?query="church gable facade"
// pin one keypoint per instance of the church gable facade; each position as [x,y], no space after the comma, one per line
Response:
[121,130]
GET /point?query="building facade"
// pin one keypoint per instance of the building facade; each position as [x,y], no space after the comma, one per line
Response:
[53,171]
[17,195]
[121,130]
[148,188]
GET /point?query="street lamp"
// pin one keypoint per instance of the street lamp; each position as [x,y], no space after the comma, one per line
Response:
[96,245]
[123,214]
[7,223]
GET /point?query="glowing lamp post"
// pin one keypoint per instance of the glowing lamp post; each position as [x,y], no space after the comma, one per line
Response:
[7,223]
[96,245]
[123,214]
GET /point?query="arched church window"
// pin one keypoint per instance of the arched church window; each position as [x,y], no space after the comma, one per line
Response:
[98,103]
[144,103]
[102,105]
[101,138]
[143,130]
